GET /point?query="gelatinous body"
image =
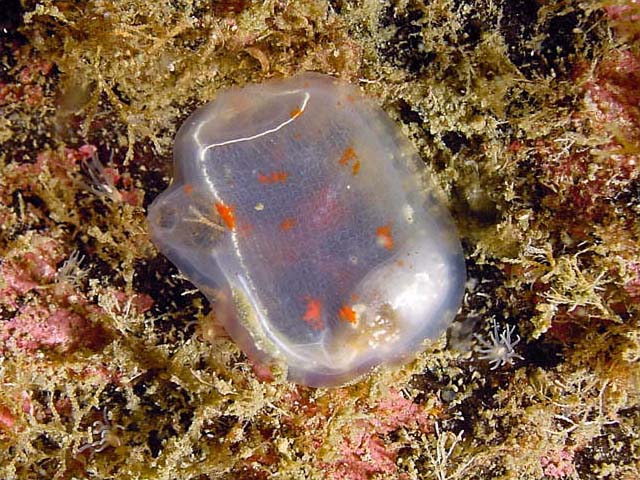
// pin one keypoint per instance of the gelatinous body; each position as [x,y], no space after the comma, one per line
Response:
[303,213]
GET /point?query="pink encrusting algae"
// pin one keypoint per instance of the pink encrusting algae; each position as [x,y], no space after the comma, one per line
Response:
[364,451]
[33,328]
[23,271]
[58,315]
[558,464]
[360,448]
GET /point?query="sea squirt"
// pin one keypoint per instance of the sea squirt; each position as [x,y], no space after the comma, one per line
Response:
[308,219]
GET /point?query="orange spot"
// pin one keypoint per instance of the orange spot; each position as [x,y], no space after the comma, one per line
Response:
[295,113]
[348,155]
[287,224]
[188,188]
[296,136]
[354,297]
[273,177]
[400,263]
[313,315]
[226,213]
[385,238]
[347,314]
[279,176]
[356,167]
[351,98]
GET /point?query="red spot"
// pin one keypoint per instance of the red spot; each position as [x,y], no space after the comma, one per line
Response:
[273,177]
[188,188]
[226,213]
[348,155]
[295,113]
[313,315]
[347,314]
[287,224]
[245,230]
[385,239]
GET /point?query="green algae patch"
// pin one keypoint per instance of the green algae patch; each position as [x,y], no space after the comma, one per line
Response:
[112,363]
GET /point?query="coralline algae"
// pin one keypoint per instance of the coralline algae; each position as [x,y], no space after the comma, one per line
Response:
[309,221]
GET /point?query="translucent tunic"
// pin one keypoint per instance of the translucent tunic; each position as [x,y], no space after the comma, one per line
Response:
[308,219]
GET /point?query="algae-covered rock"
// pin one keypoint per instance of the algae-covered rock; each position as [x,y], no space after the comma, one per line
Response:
[525,113]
